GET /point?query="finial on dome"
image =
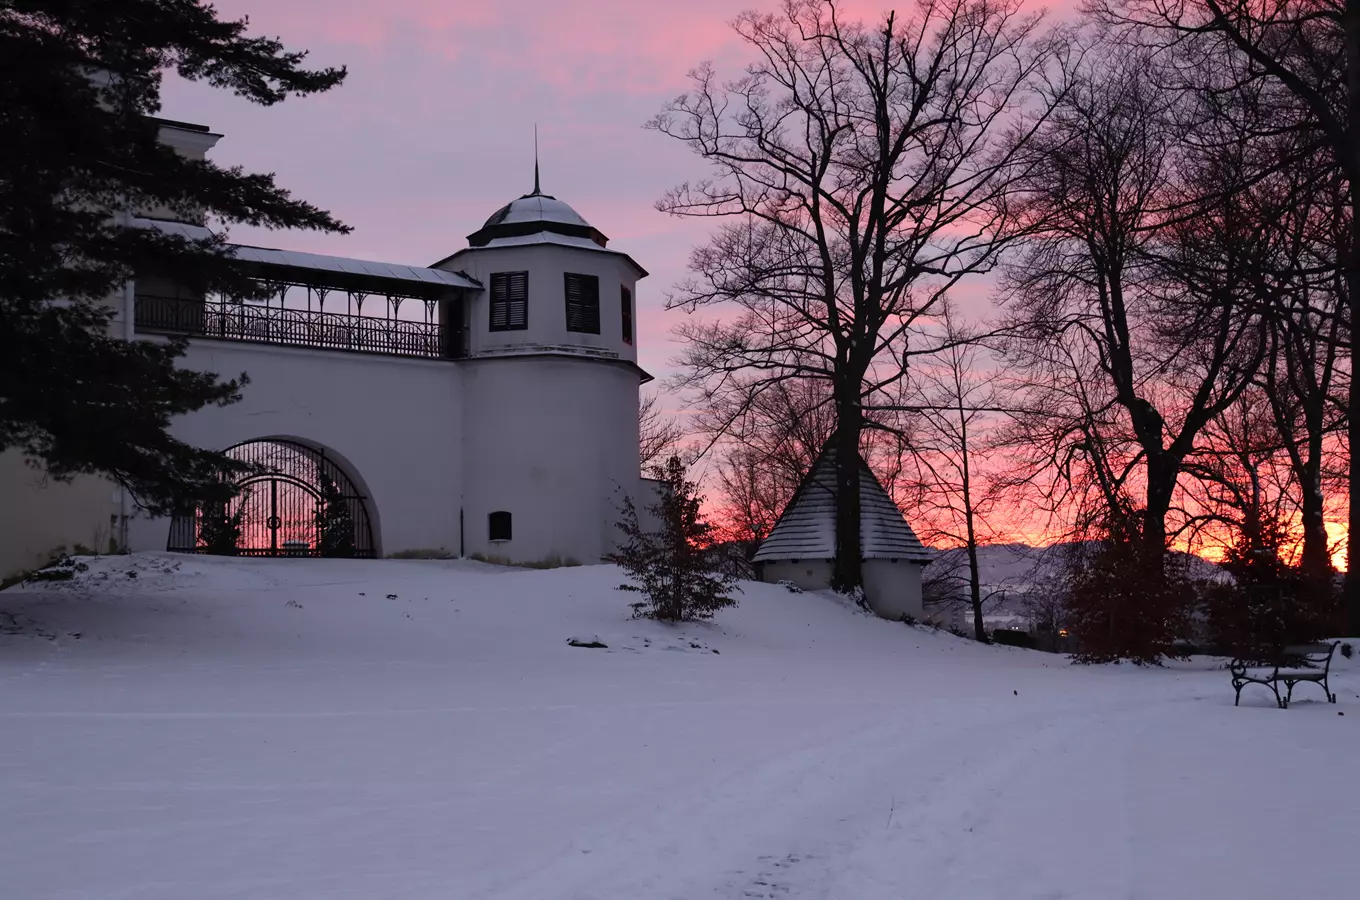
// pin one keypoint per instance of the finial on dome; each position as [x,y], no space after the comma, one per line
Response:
[537,190]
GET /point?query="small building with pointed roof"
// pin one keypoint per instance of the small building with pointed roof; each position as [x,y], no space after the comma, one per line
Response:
[801,548]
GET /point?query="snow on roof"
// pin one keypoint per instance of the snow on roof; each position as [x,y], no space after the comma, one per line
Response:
[181,229]
[317,261]
[807,527]
[546,237]
[299,260]
[536,208]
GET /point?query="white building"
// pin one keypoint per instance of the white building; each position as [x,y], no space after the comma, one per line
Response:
[484,405]
[801,548]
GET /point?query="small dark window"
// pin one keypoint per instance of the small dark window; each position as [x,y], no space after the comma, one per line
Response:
[626,307]
[498,526]
[509,301]
[583,303]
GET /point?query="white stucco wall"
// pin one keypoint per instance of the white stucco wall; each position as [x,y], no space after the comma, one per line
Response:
[40,519]
[891,587]
[808,574]
[550,440]
[393,423]
[546,265]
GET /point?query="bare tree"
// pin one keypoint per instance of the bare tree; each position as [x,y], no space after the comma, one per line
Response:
[1238,479]
[1146,252]
[1302,377]
[864,171]
[948,449]
[766,443]
[658,434]
[1311,49]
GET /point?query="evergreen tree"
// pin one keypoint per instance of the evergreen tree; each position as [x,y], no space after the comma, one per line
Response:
[219,531]
[674,568]
[334,524]
[1270,604]
[79,83]
[1124,602]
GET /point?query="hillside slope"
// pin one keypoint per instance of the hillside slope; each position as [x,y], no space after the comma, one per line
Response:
[257,729]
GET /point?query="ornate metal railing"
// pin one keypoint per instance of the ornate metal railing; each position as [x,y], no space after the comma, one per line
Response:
[265,324]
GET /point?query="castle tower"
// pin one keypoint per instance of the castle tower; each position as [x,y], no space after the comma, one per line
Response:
[550,386]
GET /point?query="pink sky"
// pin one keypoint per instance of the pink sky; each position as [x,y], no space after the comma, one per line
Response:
[433,129]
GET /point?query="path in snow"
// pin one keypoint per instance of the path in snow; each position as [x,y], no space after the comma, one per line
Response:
[268,729]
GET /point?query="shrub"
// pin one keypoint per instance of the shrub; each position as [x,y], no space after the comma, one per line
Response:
[1125,602]
[674,569]
[421,553]
[1270,604]
[334,523]
[219,531]
[1013,637]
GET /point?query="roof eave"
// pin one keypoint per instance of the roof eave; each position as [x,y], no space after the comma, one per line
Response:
[642,273]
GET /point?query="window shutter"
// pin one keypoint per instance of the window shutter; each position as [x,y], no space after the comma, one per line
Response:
[583,303]
[509,301]
[626,309]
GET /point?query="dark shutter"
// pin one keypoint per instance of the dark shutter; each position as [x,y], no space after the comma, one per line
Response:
[509,301]
[498,526]
[626,308]
[583,303]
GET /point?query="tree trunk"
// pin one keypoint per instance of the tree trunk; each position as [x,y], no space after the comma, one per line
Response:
[848,573]
[975,586]
[1316,559]
[1352,583]
[1161,483]
[1351,25]
[974,576]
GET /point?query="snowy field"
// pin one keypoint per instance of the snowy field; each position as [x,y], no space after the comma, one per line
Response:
[193,729]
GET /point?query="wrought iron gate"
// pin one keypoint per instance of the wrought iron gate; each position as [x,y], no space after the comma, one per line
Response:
[295,502]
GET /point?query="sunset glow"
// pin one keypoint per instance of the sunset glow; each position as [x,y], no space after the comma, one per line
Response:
[434,130]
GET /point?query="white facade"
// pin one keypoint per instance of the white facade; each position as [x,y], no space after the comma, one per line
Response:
[539,422]
[393,424]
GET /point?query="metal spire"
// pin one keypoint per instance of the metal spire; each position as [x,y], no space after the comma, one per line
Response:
[536,188]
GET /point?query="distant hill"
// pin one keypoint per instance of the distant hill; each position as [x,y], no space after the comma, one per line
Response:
[1010,572]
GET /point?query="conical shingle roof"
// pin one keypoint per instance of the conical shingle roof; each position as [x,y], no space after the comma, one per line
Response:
[807,527]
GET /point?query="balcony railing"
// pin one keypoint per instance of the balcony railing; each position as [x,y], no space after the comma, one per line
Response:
[264,324]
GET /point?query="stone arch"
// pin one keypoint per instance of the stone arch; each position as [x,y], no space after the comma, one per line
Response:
[303,499]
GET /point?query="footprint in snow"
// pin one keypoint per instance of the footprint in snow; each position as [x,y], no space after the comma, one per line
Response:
[770,883]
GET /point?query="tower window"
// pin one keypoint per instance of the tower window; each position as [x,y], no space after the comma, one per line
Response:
[498,526]
[509,301]
[626,308]
[583,303]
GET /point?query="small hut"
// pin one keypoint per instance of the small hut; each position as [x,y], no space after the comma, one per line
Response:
[802,546]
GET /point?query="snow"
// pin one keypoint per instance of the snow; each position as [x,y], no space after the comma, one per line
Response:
[251,729]
[807,527]
[297,259]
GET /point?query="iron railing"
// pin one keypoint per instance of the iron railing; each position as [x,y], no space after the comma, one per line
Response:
[264,324]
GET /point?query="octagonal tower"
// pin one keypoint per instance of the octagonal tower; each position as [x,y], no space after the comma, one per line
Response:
[550,390]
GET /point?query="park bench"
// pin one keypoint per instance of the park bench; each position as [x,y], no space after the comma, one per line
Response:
[1306,662]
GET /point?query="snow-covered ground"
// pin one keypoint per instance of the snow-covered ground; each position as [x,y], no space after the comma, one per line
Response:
[192,729]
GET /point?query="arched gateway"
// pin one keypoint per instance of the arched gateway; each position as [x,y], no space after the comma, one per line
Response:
[296,502]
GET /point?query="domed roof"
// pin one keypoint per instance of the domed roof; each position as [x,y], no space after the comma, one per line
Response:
[536,208]
[535,213]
